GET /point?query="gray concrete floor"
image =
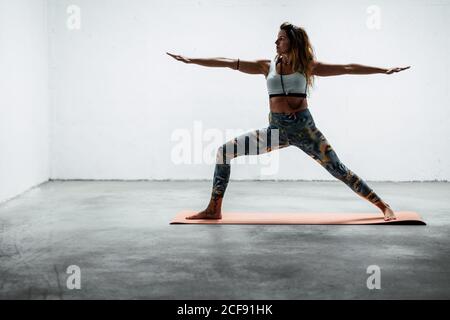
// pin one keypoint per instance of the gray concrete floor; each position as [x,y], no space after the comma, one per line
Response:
[118,233]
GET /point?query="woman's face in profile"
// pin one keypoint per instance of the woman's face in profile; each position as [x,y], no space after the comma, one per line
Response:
[282,42]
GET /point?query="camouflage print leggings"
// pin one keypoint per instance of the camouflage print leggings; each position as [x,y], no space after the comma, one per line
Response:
[297,129]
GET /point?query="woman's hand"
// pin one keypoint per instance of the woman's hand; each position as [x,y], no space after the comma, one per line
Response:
[398,69]
[180,58]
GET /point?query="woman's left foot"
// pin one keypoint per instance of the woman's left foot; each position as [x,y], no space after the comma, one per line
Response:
[388,214]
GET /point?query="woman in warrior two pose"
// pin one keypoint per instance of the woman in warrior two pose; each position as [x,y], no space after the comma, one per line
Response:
[288,76]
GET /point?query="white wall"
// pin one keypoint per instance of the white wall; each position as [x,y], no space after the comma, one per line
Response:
[24,105]
[117,98]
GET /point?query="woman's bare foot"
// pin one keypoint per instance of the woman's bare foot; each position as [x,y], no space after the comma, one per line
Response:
[388,214]
[205,214]
[213,211]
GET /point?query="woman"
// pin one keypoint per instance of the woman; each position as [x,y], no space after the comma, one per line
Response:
[288,77]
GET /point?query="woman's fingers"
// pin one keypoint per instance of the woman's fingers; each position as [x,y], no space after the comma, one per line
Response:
[397,69]
[179,58]
[173,55]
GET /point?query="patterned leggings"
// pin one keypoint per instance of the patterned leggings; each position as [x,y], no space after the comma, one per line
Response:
[297,129]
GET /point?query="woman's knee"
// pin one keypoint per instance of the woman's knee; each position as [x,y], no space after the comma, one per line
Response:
[224,154]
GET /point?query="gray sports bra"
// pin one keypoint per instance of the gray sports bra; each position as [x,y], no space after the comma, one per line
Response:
[293,84]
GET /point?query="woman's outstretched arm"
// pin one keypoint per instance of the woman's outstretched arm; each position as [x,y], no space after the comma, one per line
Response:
[207,62]
[325,69]
[252,67]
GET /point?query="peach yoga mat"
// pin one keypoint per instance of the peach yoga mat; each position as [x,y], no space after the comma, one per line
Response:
[403,217]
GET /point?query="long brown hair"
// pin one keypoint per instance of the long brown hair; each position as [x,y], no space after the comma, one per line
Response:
[301,52]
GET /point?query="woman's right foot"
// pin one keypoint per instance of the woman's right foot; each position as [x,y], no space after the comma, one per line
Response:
[213,211]
[206,214]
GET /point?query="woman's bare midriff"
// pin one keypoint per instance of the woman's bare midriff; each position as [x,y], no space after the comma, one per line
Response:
[280,104]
